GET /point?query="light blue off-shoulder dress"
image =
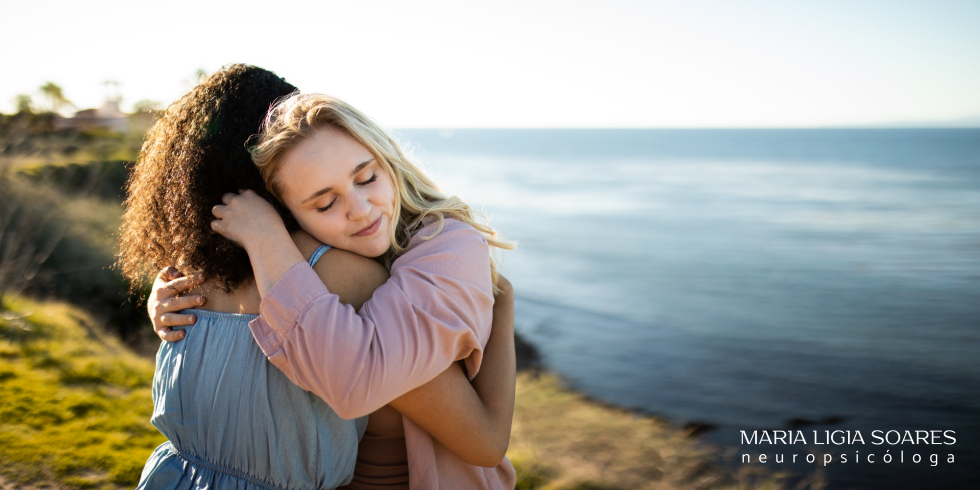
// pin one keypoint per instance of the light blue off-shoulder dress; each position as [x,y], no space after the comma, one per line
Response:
[234,421]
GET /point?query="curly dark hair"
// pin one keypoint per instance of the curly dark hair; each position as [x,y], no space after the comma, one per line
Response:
[195,153]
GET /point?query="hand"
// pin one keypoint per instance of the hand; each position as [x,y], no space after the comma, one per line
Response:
[246,218]
[165,300]
[254,224]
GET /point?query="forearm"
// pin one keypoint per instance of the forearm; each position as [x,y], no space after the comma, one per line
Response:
[449,409]
[497,381]
[472,420]
[346,358]
[271,256]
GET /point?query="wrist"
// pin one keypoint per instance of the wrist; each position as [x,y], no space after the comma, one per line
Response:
[272,257]
[266,243]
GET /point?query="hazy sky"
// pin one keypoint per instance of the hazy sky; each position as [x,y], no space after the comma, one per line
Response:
[525,63]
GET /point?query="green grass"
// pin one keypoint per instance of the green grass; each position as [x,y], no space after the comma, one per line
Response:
[74,404]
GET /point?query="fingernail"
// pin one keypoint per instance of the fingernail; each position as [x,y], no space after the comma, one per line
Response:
[180,336]
[193,318]
[200,300]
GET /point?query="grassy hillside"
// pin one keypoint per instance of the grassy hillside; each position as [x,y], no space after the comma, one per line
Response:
[74,404]
[59,220]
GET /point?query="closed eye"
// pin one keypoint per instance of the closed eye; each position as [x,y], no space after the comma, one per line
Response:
[373,178]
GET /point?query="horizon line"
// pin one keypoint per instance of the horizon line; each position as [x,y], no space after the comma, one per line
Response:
[613,128]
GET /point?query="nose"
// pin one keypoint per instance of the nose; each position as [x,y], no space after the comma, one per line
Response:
[360,207]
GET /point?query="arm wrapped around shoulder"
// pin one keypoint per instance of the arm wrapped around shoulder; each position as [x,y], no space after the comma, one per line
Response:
[435,309]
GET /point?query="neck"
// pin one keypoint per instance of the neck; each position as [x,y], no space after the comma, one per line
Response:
[244,299]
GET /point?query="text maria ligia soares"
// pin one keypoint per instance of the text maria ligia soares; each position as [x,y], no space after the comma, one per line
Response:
[885,439]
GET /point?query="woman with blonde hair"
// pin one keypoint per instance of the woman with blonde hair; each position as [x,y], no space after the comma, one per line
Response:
[233,420]
[349,185]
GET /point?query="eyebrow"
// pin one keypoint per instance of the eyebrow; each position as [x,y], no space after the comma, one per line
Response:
[325,190]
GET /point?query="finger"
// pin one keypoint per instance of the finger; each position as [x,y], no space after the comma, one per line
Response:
[171,335]
[168,320]
[217,226]
[184,284]
[183,302]
[168,274]
[218,211]
[226,199]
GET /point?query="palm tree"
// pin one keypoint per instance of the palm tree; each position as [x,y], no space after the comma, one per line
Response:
[56,97]
[23,103]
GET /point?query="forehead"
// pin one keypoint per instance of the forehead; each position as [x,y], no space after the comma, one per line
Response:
[325,159]
[328,148]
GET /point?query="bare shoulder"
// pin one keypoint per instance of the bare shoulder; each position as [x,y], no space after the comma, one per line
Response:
[305,243]
[350,276]
[341,262]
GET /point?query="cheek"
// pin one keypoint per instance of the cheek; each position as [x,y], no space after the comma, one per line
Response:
[321,226]
[387,194]
[390,200]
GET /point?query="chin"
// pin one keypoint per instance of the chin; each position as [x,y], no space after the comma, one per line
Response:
[379,248]
[369,250]
[376,252]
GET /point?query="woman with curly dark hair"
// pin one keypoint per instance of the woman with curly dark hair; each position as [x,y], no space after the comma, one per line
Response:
[233,420]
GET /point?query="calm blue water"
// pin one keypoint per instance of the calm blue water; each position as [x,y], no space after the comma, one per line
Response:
[745,278]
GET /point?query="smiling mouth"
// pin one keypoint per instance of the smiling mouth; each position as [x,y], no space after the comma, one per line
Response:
[370,229]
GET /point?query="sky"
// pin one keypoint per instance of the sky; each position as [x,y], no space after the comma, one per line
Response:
[570,63]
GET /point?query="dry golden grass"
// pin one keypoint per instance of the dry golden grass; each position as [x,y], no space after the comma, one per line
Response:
[561,440]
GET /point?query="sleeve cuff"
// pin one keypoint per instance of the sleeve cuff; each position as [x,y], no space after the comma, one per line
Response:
[282,305]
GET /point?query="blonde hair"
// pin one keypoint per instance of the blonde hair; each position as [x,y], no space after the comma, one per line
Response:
[297,117]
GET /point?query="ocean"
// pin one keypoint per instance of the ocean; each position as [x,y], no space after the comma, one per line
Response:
[813,280]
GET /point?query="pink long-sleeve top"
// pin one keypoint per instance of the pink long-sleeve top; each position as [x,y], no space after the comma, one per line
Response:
[436,308]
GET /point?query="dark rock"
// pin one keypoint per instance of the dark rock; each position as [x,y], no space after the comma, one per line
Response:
[528,357]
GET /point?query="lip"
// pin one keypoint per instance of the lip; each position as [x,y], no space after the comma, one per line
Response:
[370,229]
